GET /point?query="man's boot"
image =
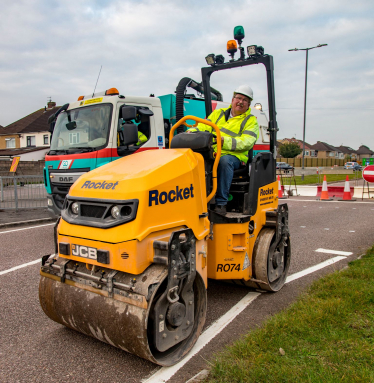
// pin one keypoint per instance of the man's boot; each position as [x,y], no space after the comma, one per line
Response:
[220,209]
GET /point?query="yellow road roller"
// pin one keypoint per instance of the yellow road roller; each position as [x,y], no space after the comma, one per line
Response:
[138,238]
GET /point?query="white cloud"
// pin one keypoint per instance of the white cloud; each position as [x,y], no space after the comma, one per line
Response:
[56,49]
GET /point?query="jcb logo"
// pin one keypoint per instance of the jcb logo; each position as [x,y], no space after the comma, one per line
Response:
[84,251]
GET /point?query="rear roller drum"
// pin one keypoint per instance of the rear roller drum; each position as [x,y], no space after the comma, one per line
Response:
[271,260]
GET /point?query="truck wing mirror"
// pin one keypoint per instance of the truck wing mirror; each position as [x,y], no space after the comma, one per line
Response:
[145,112]
[71,125]
[128,113]
[130,134]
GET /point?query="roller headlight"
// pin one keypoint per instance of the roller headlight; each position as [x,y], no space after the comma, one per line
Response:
[75,208]
[116,212]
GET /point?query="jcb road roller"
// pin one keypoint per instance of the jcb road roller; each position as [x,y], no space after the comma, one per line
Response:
[138,239]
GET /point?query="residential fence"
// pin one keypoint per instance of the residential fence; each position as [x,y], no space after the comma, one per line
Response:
[22,192]
[312,162]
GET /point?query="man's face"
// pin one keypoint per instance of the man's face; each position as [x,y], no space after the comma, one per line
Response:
[240,104]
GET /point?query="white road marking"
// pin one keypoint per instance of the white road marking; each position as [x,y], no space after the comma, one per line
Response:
[352,231]
[303,227]
[336,252]
[314,268]
[26,228]
[353,208]
[326,228]
[165,373]
[20,266]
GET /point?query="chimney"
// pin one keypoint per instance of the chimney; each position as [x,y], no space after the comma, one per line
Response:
[51,104]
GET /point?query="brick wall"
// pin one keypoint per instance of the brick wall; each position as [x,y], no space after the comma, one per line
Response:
[26,168]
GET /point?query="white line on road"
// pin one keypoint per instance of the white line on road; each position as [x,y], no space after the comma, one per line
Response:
[314,268]
[336,252]
[165,373]
[26,228]
[20,266]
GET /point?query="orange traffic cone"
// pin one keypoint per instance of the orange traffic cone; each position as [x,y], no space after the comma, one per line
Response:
[325,193]
[347,191]
[280,192]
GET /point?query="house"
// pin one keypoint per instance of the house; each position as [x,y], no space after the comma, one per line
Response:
[309,152]
[364,152]
[324,150]
[349,153]
[30,132]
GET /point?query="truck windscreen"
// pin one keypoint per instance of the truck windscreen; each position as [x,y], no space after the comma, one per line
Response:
[82,129]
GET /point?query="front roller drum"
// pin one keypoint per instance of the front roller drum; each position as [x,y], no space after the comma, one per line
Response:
[118,323]
[159,317]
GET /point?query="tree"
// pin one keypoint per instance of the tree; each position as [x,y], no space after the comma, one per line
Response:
[289,150]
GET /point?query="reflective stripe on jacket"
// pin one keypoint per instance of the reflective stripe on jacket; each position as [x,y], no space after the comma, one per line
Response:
[239,133]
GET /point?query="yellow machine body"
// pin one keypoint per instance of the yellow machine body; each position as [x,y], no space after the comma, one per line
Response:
[157,179]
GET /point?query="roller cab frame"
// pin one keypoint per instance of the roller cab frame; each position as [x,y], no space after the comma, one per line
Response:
[138,240]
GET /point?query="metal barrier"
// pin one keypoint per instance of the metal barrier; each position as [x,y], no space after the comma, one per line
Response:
[22,192]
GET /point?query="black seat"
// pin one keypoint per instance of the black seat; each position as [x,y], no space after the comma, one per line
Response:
[243,171]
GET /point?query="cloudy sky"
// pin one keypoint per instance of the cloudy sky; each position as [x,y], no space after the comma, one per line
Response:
[55,49]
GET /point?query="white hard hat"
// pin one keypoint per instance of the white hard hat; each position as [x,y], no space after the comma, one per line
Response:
[245,90]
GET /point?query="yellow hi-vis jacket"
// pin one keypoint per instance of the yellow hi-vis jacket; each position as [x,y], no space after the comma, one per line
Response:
[142,138]
[239,133]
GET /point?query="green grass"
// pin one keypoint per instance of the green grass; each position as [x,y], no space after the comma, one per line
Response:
[327,335]
[313,179]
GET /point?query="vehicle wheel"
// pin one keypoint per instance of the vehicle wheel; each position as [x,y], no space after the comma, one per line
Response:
[271,261]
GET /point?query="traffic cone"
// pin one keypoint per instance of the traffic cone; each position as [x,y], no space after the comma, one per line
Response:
[280,193]
[325,193]
[347,191]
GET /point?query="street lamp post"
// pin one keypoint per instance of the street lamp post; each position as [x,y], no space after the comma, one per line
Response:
[306,77]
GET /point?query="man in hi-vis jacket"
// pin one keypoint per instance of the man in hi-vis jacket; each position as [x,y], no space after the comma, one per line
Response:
[239,132]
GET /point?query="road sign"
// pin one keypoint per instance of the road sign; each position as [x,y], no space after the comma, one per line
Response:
[368,173]
[14,165]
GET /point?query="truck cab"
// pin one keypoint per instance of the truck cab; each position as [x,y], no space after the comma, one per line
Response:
[87,135]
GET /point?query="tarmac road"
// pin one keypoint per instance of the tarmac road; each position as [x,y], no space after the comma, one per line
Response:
[35,349]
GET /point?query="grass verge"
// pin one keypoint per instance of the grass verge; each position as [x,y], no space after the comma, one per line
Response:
[327,335]
[313,179]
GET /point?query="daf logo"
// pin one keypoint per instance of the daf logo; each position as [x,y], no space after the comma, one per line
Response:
[65,179]
[84,251]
